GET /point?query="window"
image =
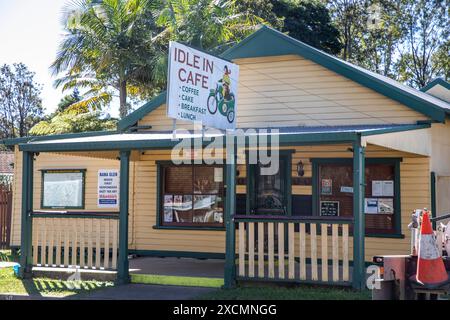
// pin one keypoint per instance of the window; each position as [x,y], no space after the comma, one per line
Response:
[191,195]
[62,189]
[272,192]
[334,192]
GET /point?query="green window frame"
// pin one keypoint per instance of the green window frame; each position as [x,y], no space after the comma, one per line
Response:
[316,162]
[61,171]
[160,194]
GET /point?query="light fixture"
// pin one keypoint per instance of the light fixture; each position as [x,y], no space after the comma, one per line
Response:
[300,169]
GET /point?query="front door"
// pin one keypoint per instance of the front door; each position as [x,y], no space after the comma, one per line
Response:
[269,194]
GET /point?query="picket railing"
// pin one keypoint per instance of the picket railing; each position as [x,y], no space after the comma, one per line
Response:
[75,239]
[312,249]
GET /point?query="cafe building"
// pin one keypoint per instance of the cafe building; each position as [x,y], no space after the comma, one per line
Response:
[357,154]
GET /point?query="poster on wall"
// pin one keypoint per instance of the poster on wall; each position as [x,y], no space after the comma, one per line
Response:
[329,208]
[386,205]
[201,87]
[382,188]
[371,205]
[108,188]
[327,187]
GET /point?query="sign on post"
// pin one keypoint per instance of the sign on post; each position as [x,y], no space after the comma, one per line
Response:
[201,87]
[108,188]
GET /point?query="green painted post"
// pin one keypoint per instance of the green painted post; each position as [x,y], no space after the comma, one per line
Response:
[359,276]
[433,197]
[122,268]
[26,221]
[230,206]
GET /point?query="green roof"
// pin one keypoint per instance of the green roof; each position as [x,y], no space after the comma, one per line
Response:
[267,41]
[435,82]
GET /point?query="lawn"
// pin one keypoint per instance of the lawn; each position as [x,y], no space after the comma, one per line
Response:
[286,293]
[177,280]
[10,284]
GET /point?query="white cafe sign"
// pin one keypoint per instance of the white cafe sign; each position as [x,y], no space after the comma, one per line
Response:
[201,87]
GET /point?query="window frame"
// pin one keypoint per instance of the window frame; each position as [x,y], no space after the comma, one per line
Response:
[251,181]
[159,200]
[59,170]
[316,162]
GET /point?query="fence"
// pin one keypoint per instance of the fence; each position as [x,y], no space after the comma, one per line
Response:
[5,215]
[74,239]
[293,249]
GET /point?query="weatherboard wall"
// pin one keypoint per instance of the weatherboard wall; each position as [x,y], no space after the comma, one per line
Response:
[289,90]
[415,193]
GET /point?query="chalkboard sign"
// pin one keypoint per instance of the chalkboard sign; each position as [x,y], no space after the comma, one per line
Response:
[329,208]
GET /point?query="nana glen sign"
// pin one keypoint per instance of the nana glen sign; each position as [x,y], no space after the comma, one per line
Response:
[201,87]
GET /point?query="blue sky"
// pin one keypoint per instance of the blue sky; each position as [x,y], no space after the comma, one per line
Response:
[30,31]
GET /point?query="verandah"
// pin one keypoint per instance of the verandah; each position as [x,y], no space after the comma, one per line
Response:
[230,275]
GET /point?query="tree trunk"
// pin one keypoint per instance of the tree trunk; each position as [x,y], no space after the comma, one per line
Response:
[123,108]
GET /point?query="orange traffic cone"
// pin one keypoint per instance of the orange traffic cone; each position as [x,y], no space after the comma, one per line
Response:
[430,267]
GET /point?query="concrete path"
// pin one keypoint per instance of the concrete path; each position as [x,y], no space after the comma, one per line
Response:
[144,292]
[187,267]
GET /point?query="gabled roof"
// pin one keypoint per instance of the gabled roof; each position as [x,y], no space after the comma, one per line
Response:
[267,41]
[435,82]
[440,89]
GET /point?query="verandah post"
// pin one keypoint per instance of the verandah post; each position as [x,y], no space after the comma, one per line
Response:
[358,278]
[230,205]
[122,266]
[27,208]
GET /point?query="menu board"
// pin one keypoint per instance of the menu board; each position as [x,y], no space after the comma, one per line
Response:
[329,208]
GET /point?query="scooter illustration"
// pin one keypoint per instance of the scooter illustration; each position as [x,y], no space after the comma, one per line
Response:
[216,100]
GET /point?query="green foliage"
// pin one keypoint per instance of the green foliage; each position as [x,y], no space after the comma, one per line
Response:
[427,42]
[68,100]
[69,122]
[310,22]
[107,48]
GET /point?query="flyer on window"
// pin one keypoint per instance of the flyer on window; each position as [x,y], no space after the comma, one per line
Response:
[371,205]
[385,205]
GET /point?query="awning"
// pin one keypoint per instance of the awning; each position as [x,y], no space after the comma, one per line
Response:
[164,140]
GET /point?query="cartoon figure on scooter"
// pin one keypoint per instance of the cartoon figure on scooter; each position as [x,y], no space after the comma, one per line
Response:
[222,98]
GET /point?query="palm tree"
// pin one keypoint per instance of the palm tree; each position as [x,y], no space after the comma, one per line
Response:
[212,25]
[107,48]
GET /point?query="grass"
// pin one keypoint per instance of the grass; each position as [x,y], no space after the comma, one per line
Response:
[284,293]
[10,284]
[177,281]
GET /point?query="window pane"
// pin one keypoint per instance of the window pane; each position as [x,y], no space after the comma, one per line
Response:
[178,180]
[208,180]
[192,195]
[270,193]
[336,190]
[208,209]
[182,206]
[62,189]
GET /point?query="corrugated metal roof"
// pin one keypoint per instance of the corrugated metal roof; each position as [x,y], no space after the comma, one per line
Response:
[169,135]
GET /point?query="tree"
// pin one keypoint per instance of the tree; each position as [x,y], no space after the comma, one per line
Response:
[107,49]
[71,117]
[310,22]
[381,37]
[69,100]
[427,43]
[21,105]
[209,25]
[349,18]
